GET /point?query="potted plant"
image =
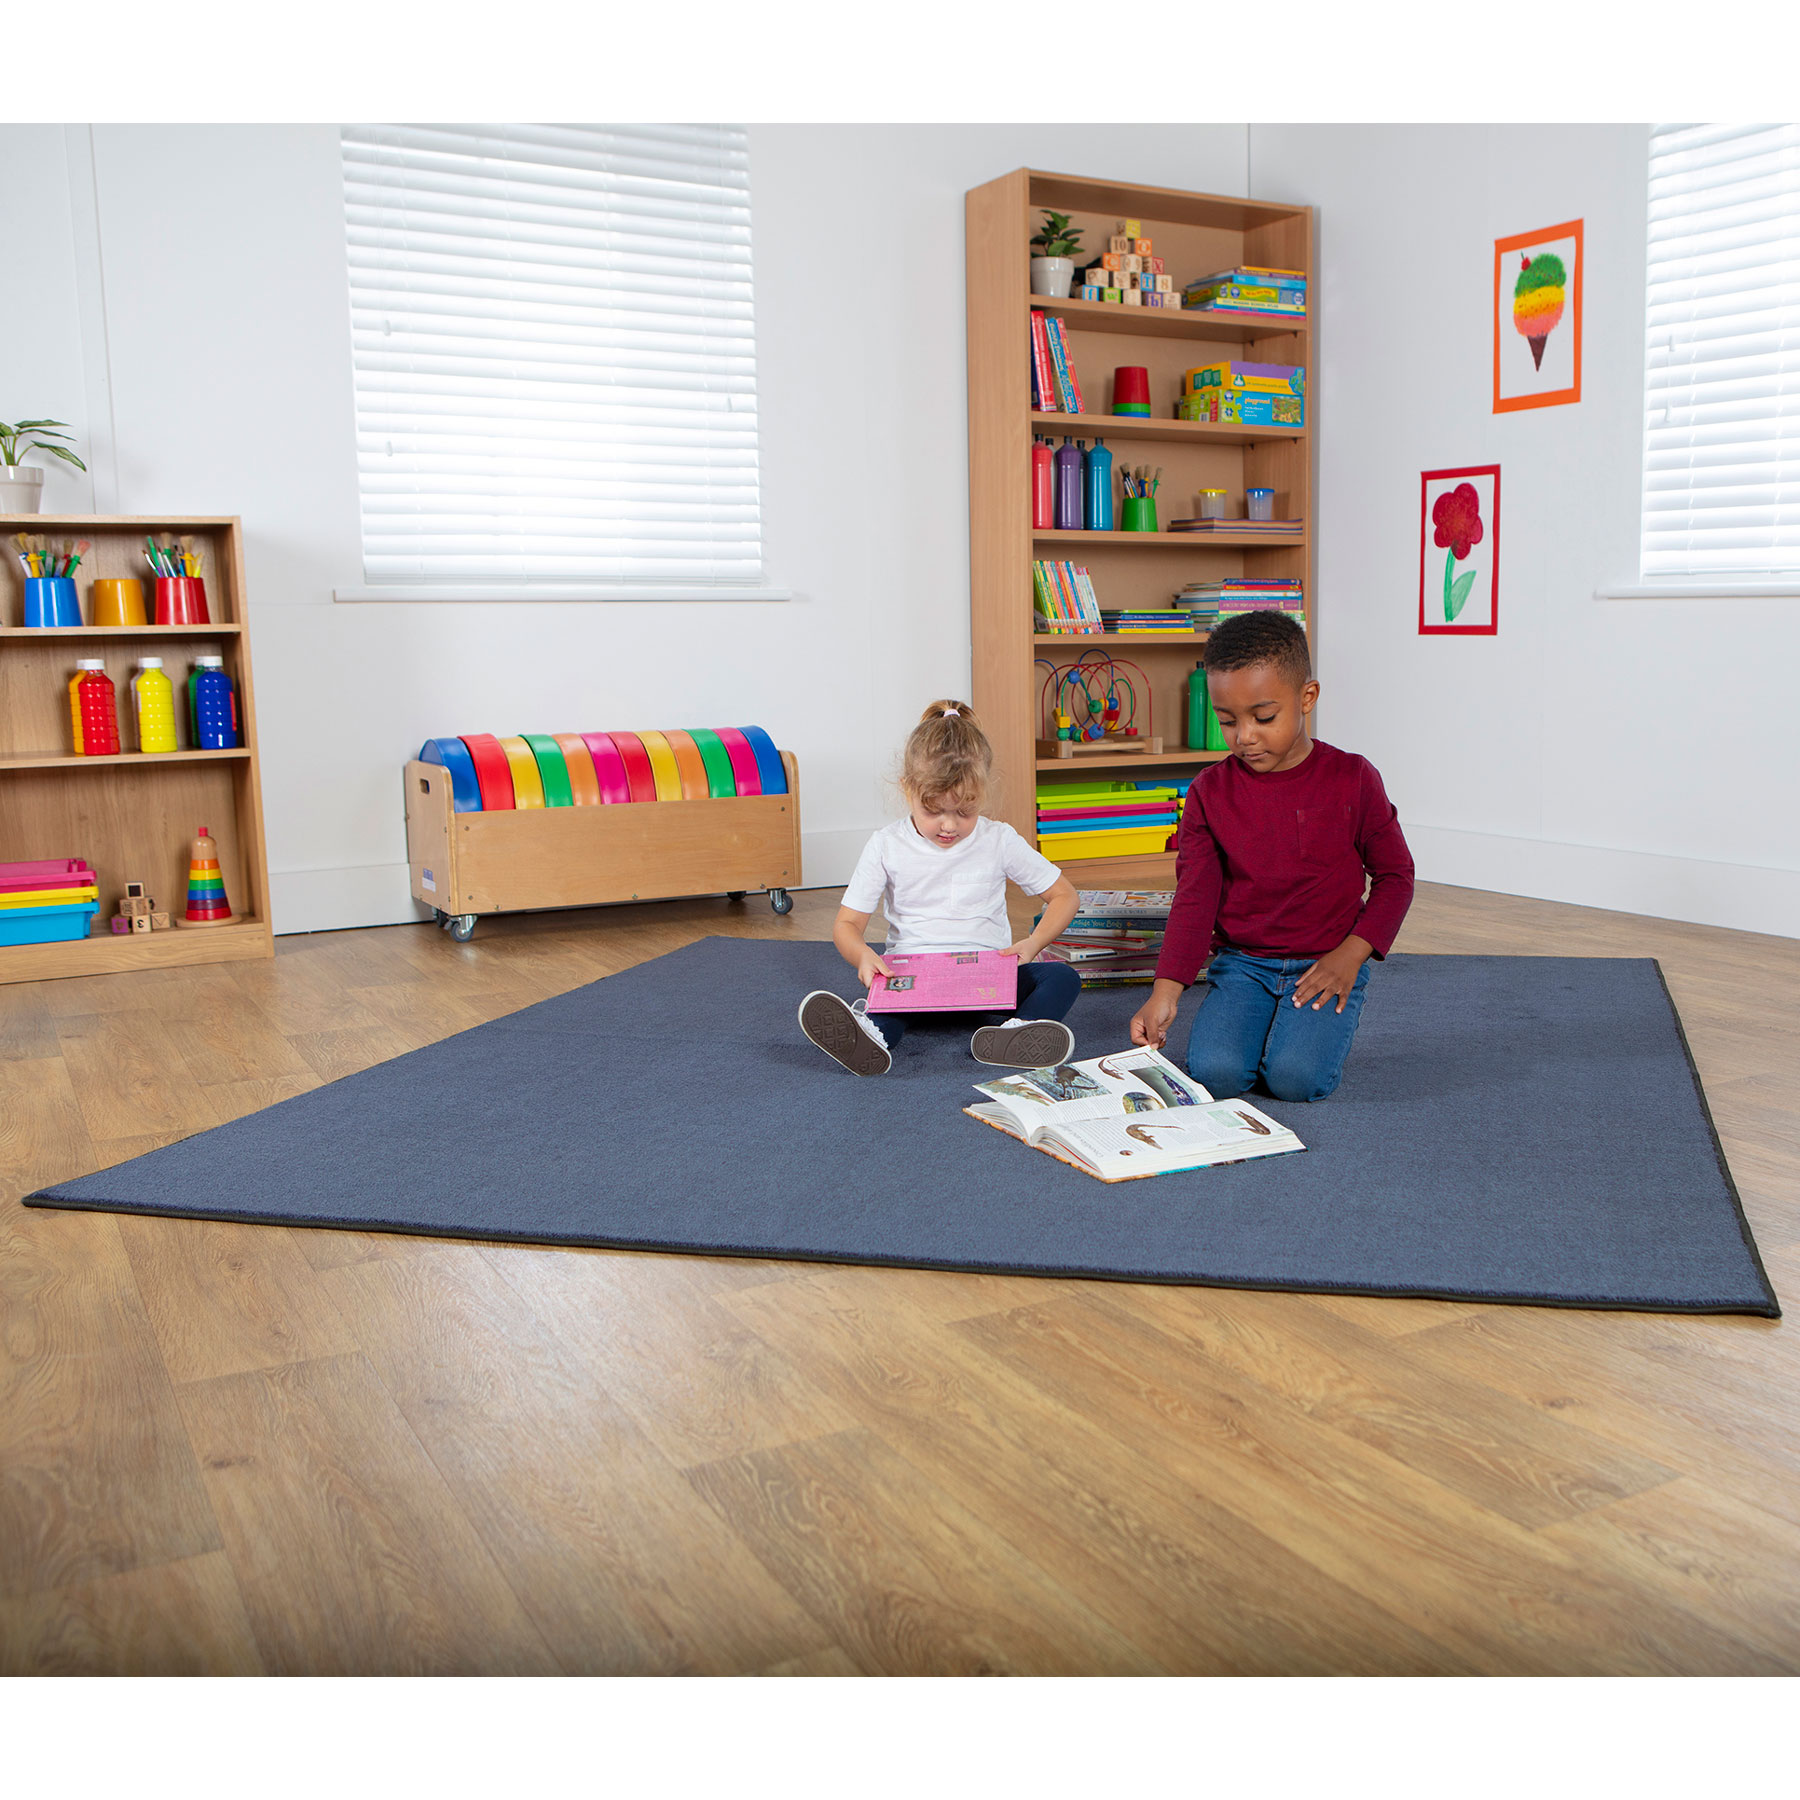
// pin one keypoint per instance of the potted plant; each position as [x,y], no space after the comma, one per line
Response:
[1053,267]
[22,489]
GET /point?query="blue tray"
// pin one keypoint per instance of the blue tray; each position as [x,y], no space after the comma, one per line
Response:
[46,924]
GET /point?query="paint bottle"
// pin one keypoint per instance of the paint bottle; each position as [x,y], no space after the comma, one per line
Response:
[1099,487]
[93,711]
[1203,731]
[1043,511]
[215,706]
[153,698]
[1069,516]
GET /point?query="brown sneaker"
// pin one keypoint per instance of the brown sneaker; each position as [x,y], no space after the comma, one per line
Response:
[845,1034]
[1023,1044]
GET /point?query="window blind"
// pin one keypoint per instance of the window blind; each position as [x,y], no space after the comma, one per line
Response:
[554,354]
[1722,361]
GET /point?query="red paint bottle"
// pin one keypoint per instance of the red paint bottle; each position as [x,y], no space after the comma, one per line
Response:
[1043,471]
[94,711]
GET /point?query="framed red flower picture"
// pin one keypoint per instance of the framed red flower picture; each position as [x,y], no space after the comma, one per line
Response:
[1459,552]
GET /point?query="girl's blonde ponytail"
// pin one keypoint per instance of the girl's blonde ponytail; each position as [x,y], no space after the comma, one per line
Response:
[947,755]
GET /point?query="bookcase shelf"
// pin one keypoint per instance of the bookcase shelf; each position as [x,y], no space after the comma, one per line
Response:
[132,816]
[1196,234]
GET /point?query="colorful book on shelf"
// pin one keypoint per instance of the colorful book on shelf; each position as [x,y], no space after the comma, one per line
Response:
[1044,397]
[1251,275]
[1065,599]
[1065,366]
[1247,527]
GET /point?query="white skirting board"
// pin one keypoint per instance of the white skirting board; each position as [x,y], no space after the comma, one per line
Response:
[381,893]
[1739,896]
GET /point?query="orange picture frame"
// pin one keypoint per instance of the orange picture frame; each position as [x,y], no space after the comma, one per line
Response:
[1564,394]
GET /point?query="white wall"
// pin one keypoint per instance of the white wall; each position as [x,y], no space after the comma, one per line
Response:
[225,334]
[1629,754]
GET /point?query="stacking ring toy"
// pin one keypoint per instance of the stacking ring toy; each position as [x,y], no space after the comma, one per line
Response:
[453,754]
[609,768]
[768,759]
[743,760]
[694,782]
[492,770]
[720,780]
[584,786]
[552,770]
[528,784]
[662,764]
[637,764]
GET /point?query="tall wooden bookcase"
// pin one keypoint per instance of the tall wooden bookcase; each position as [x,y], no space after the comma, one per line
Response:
[1196,234]
[132,816]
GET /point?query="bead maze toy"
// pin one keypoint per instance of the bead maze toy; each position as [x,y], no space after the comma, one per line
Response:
[596,818]
[1089,707]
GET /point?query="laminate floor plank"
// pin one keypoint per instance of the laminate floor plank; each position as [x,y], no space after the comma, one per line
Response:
[223,1298]
[621,1566]
[1199,1588]
[43,1137]
[129,1077]
[96,1474]
[1490,1591]
[230,1100]
[350,1553]
[179,1618]
[699,1383]
[1502,1453]
[904,1579]
[331,1055]
[26,1031]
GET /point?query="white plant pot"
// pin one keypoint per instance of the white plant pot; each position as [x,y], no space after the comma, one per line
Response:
[21,489]
[1051,275]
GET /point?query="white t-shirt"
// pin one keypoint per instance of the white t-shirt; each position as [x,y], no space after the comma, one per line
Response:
[937,899]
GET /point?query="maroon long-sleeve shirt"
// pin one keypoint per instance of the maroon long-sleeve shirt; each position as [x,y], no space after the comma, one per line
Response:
[1274,864]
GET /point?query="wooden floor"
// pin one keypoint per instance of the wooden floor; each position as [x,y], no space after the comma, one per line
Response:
[247,1448]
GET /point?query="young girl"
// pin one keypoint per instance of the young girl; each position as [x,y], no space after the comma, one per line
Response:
[940,876]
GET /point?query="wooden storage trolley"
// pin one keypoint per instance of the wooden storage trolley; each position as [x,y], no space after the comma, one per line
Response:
[471,863]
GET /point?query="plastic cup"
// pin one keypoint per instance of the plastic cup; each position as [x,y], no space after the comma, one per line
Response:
[1260,502]
[51,600]
[116,602]
[181,600]
[1212,503]
[1138,514]
[1131,393]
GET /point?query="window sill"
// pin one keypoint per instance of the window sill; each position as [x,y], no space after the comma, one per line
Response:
[1704,590]
[453,592]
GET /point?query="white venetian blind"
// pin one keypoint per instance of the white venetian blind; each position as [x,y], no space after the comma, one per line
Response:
[555,357]
[1722,362]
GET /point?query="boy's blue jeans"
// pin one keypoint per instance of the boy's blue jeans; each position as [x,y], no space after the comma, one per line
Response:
[1046,991]
[1248,1027]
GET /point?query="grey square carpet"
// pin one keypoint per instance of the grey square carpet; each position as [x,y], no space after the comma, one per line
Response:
[1524,1129]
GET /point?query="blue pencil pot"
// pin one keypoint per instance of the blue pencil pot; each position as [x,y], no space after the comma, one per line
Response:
[51,600]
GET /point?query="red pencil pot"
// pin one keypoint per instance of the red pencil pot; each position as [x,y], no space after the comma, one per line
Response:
[1131,393]
[181,600]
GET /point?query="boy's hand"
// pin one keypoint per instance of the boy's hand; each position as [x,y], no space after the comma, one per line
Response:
[870,966]
[1150,1023]
[1334,973]
[1025,950]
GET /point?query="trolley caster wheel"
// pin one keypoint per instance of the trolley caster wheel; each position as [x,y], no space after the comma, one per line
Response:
[737,894]
[462,927]
[439,917]
[781,900]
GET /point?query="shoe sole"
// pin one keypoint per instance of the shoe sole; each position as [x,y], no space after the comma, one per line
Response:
[1034,1046]
[829,1023]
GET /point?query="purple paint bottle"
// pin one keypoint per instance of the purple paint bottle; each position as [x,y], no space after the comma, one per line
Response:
[1069,512]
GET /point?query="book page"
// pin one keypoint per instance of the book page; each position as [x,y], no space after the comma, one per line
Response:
[1227,1130]
[1127,1082]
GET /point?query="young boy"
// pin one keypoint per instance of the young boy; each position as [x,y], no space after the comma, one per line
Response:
[1274,845]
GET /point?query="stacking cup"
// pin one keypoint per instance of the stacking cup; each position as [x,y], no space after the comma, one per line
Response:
[51,600]
[116,602]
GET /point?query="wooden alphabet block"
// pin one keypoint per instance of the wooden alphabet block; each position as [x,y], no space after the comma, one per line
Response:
[1133,297]
[1140,246]
[161,922]
[134,890]
[1131,227]
[1165,284]
[1134,265]
[1118,246]
[1112,260]
[1155,265]
[140,922]
[135,905]
[121,925]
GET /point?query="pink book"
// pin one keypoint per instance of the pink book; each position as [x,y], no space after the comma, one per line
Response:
[947,981]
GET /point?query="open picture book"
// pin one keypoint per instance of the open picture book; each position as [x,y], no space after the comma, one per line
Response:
[1127,1115]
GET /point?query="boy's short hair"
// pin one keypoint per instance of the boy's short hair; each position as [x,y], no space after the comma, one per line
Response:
[1246,639]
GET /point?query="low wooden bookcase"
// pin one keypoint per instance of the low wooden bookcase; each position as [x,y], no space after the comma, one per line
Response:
[468,864]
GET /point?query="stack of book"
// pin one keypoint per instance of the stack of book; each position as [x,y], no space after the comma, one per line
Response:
[1107,818]
[1207,602]
[1244,393]
[1065,600]
[1054,387]
[1262,528]
[1114,938]
[1248,293]
[1147,621]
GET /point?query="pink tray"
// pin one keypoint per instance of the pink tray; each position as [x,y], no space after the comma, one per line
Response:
[58,872]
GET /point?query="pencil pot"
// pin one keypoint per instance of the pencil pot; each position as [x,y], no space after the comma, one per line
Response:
[116,603]
[51,600]
[181,600]
[1138,515]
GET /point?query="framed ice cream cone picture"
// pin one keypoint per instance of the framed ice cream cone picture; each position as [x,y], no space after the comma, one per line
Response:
[1537,318]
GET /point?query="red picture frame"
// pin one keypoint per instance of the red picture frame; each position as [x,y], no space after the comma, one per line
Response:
[1491,536]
